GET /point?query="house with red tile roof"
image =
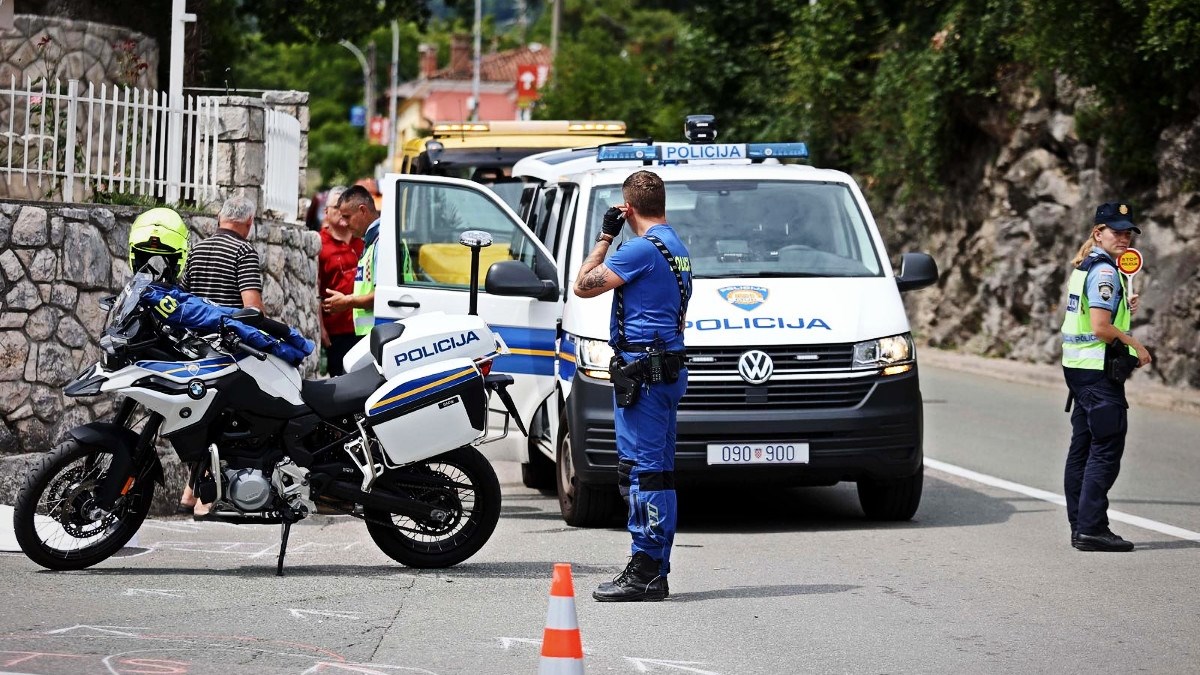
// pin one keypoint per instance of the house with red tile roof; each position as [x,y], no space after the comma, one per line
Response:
[444,94]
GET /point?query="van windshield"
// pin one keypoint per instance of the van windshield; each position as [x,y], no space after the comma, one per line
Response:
[761,228]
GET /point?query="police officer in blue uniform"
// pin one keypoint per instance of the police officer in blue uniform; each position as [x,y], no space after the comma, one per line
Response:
[1099,352]
[652,280]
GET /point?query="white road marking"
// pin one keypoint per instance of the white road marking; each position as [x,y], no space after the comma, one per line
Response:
[1044,495]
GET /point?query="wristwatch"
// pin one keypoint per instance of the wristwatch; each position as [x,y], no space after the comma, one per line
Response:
[604,236]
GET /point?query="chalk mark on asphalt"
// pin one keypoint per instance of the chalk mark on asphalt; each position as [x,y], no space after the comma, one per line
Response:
[1046,495]
[157,592]
[303,614]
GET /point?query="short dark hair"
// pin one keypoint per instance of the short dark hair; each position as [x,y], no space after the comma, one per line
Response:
[645,191]
[355,195]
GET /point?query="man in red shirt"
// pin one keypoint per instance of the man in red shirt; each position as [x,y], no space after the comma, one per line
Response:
[340,251]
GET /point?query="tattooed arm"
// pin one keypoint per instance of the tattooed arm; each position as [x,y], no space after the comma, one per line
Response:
[594,277]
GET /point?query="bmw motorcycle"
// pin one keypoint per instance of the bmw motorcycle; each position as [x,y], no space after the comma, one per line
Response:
[392,442]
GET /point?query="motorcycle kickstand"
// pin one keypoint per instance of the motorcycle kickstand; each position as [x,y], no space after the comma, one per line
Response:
[287,529]
[288,518]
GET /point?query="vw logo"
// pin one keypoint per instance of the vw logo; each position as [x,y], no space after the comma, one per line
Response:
[755,366]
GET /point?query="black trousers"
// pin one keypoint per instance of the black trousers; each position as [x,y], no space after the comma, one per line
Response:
[1098,425]
[338,346]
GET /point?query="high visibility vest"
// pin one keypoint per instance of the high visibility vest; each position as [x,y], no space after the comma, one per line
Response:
[1081,348]
[364,283]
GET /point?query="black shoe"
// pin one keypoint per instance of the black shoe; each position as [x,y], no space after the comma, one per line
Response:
[1104,541]
[640,582]
[1074,536]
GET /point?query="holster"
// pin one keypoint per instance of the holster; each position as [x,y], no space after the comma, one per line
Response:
[626,379]
[1119,364]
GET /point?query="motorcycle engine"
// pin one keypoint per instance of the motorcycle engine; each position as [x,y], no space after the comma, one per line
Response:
[249,489]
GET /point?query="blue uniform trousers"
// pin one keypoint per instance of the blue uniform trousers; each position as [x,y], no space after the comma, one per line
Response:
[646,467]
[1098,425]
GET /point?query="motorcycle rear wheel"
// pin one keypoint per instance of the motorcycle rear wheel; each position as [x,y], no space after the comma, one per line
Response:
[51,520]
[473,503]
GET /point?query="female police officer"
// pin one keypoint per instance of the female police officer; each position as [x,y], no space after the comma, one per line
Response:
[1098,353]
[651,276]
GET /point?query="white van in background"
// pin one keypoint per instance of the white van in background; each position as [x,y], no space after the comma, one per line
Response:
[802,369]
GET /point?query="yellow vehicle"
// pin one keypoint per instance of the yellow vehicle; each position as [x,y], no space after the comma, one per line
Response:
[487,150]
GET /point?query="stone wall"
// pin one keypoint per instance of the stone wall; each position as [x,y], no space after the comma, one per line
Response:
[56,262]
[51,48]
[1004,237]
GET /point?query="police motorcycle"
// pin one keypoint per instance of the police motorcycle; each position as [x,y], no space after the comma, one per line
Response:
[393,444]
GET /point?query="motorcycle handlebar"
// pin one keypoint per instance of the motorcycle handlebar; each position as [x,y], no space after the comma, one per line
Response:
[261,356]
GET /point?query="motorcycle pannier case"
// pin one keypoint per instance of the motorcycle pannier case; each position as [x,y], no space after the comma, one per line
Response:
[429,410]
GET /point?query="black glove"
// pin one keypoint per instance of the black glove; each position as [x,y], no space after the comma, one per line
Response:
[614,220]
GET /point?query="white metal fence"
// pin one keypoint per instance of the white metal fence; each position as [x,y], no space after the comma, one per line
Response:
[70,144]
[281,184]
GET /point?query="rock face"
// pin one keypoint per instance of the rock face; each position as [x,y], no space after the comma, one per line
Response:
[51,318]
[1004,238]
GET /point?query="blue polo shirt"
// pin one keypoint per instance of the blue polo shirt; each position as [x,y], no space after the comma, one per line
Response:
[651,292]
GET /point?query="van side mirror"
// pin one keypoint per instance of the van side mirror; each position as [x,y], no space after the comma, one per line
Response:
[513,277]
[917,270]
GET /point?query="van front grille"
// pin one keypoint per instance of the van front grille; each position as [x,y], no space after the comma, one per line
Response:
[714,382]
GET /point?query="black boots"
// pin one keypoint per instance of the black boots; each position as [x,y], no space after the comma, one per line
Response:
[640,582]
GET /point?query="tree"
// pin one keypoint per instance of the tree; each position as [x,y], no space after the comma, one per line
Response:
[327,21]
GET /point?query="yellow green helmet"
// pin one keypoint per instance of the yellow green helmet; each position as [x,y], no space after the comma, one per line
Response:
[159,231]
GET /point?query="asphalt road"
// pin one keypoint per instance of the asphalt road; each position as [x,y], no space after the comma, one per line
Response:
[982,580]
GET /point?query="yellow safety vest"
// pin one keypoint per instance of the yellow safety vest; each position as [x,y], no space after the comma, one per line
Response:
[1081,348]
[364,283]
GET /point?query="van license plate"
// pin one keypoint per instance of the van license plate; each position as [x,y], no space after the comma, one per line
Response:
[758,453]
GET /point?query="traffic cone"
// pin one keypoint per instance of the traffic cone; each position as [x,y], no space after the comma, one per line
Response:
[562,646]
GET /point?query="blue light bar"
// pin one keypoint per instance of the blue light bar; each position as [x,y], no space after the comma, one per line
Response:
[777,150]
[614,153]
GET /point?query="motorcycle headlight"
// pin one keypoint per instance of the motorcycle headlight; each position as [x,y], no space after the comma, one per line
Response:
[593,357]
[112,343]
[894,354]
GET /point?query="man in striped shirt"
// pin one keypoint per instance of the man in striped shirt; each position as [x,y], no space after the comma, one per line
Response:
[225,269]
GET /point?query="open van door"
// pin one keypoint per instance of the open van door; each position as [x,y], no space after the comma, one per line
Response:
[422,219]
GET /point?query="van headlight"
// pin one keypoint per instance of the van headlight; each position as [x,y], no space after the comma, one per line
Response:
[894,354]
[593,357]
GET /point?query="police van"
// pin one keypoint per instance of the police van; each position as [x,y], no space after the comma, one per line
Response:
[802,368]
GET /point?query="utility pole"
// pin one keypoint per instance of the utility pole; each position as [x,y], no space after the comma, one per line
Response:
[392,131]
[370,83]
[555,17]
[475,71]
[179,18]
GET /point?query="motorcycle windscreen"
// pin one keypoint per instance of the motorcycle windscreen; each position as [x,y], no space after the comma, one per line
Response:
[429,410]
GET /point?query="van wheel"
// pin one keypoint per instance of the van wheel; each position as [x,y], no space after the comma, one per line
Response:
[896,499]
[538,472]
[582,505]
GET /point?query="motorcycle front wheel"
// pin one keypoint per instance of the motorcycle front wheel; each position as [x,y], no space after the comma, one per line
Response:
[467,490]
[56,520]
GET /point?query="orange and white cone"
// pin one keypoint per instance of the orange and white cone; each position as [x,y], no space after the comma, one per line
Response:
[562,646]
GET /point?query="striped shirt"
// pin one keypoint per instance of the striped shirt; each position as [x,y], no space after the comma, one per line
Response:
[221,267]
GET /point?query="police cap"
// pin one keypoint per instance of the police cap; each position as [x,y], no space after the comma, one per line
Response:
[1118,216]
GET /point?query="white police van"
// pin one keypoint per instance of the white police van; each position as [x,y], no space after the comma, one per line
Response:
[802,370]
